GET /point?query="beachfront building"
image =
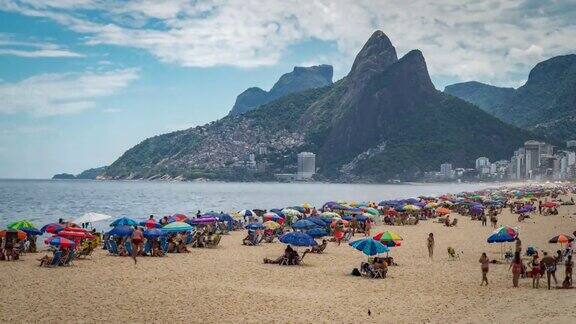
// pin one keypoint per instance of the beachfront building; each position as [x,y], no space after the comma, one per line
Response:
[532,149]
[446,170]
[306,165]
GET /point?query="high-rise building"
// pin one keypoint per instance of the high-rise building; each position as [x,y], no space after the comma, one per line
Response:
[306,165]
[482,162]
[446,170]
[532,158]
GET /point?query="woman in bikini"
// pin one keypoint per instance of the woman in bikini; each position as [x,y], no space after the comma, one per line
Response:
[517,267]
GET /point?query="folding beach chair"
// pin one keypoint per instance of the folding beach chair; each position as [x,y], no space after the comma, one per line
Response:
[69,259]
[129,248]
[112,247]
[148,247]
[55,259]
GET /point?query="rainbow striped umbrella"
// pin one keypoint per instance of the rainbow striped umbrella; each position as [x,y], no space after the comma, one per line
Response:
[59,241]
[503,234]
[387,236]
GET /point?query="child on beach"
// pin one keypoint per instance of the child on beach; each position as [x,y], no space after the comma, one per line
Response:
[485,264]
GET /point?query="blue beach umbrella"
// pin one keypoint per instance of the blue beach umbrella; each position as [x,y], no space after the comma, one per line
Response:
[304,224]
[317,220]
[124,221]
[122,231]
[224,217]
[255,226]
[369,246]
[31,231]
[317,232]
[154,233]
[298,239]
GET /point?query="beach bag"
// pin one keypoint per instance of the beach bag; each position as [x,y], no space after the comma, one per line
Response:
[356,272]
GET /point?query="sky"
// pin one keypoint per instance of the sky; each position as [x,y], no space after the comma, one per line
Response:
[82,81]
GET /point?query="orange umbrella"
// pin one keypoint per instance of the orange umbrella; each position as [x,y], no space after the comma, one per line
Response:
[21,235]
[443,211]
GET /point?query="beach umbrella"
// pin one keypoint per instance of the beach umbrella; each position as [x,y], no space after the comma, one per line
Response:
[150,223]
[224,217]
[31,231]
[330,215]
[300,209]
[371,211]
[304,224]
[503,234]
[387,236]
[431,205]
[255,226]
[246,213]
[291,212]
[549,204]
[91,218]
[369,246]
[317,232]
[298,239]
[121,231]
[124,221]
[20,234]
[391,212]
[154,233]
[306,205]
[59,242]
[179,217]
[201,221]
[345,223]
[52,228]
[562,239]
[21,224]
[442,211]
[317,220]
[271,216]
[74,234]
[272,225]
[177,227]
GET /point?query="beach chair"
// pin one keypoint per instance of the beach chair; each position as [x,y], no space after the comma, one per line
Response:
[368,270]
[215,241]
[55,260]
[112,247]
[129,248]
[347,236]
[148,247]
[69,259]
[164,245]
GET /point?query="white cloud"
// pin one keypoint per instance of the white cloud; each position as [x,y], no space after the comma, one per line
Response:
[488,40]
[62,93]
[32,49]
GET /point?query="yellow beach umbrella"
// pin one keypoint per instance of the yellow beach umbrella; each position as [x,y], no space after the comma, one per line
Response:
[271,225]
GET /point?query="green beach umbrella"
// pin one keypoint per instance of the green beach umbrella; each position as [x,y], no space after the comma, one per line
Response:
[21,224]
[372,211]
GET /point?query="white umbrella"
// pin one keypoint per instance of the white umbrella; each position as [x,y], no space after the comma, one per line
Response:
[91,218]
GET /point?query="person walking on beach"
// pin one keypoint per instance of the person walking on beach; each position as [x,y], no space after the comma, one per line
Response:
[137,238]
[517,267]
[484,266]
[493,220]
[549,263]
[367,227]
[568,265]
[430,243]
[484,218]
[354,224]
[540,207]
[535,265]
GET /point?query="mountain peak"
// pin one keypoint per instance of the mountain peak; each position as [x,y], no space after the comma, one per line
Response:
[375,56]
[300,79]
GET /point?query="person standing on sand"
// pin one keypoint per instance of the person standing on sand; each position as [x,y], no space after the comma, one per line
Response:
[483,218]
[549,263]
[540,207]
[367,226]
[485,264]
[137,238]
[535,265]
[517,266]
[430,243]
[568,265]
[518,245]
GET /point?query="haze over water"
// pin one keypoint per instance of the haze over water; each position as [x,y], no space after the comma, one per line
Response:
[44,201]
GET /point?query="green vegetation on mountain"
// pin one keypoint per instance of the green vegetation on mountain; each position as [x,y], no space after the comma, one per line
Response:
[385,120]
[545,104]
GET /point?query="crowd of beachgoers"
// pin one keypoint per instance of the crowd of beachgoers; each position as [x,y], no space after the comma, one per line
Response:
[315,229]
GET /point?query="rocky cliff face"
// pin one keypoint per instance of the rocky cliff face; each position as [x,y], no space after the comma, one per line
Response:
[300,79]
[545,104]
[384,120]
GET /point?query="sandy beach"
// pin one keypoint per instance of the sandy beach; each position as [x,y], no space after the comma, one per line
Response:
[231,284]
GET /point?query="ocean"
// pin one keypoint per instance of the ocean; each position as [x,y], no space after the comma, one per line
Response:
[45,201]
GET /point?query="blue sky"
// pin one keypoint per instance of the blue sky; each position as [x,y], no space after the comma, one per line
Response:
[81,81]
